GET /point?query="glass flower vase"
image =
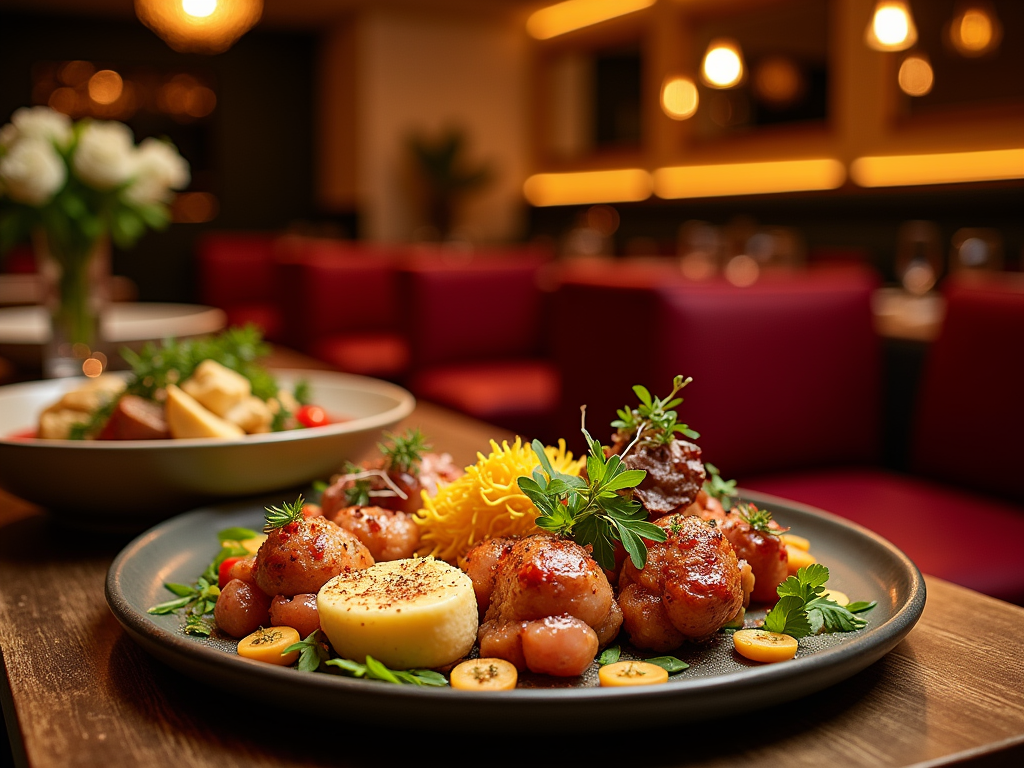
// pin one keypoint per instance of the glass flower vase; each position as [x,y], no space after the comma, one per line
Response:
[75,275]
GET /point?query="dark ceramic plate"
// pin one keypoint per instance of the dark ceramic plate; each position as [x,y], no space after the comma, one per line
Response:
[718,682]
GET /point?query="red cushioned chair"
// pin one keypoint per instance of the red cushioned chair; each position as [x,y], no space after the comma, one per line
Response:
[345,309]
[237,273]
[967,436]
[475,336]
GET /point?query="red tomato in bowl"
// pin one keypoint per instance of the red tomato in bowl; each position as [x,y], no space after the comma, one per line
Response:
[312,416]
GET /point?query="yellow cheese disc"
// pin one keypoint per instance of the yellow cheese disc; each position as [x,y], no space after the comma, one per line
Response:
[408,614]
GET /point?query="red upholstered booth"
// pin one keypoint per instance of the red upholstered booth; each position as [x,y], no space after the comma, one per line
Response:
[346,309]
[475,331]
[237,274]
[963,520]
[786,398]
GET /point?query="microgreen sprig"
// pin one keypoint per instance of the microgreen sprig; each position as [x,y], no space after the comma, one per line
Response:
[654,420]
[592,511]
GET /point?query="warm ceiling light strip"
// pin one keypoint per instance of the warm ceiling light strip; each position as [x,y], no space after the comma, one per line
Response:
[618,186]
[748,178]
[946,168]
[575,14]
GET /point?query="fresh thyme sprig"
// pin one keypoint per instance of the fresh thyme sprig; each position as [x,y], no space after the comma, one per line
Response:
[404,452]
[803,609]
[279,517]
[716,487]
[592,511]
[654,420]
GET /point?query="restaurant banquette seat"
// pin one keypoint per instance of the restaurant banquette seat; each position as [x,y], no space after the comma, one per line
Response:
[345,305]
[237,273]
[786,398]
[476,330]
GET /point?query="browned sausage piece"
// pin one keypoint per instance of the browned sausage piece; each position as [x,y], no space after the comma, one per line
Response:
[136,418]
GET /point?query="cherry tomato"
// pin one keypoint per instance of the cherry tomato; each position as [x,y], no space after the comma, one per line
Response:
[223,572]
[312,416]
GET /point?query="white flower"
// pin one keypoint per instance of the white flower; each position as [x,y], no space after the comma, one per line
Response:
[8,135]
[105,155]
[38,123]
[158,169]
[32,171]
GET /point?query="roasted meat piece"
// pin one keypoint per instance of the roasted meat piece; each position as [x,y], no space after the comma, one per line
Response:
[303,555]
[675,475]
[763,549]
[548,605]
[387,533]
[690,586]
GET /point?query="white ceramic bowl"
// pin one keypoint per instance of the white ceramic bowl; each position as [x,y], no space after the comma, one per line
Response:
[132,483]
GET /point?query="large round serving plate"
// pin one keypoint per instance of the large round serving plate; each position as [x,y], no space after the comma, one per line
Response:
[718,681]
[130,484]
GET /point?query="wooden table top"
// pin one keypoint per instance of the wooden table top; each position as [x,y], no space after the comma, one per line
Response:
[79,692]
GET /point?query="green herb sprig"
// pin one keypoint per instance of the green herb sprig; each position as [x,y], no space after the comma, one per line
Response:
[716,487]
[403,453]
[279,517]
[758,519]
[592,511]
[670,664]
[198,599]
[654,420]
[803,609]
[313,651]
[374,670]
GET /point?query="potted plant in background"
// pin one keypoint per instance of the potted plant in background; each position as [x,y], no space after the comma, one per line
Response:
[73,187]
[446,176]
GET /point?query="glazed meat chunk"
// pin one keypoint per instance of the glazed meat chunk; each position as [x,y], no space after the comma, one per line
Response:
[549,605]
[302,556]
[675,475]
[763,550]
[690,586]
[387,533]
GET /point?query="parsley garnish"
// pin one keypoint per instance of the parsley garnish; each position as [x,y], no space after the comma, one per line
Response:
[313,651]
[803,610]
[279,517]
[404,452]
[592,511]
[716,487]
[654,420]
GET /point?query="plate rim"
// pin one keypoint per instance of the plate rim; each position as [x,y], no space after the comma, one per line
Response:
[821,669]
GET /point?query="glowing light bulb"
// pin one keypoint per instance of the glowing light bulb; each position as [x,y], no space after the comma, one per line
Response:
[723,65]
[200,9]
[679,98]
[976,31]
[892,27]
[916,76]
